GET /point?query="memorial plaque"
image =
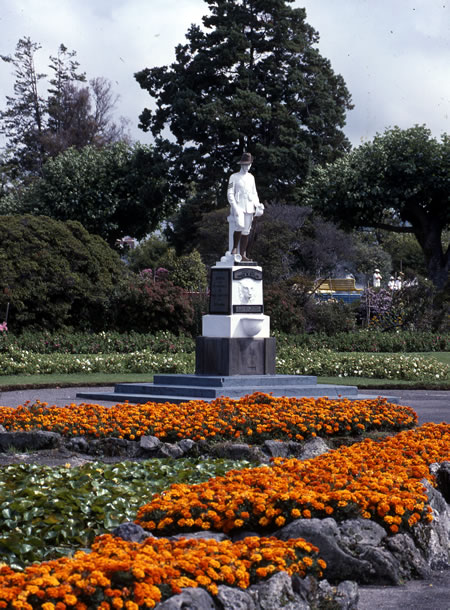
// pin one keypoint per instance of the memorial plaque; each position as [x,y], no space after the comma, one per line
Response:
[220,292]
[248,309]
[254,274]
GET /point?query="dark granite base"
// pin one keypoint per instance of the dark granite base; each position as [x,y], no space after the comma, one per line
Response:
[235,356]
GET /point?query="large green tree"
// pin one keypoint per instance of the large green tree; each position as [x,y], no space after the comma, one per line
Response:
[251,79]
[113,191]
[398,182]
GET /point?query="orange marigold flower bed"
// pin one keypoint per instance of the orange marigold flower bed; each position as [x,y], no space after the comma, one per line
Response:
[120,574]
[253,418]
[376,480]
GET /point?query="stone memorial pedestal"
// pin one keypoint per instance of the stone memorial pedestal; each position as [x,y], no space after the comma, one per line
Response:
[235,334]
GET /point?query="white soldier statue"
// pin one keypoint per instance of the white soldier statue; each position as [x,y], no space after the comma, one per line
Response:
[244,205]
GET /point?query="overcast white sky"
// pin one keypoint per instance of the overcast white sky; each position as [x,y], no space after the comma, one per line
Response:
[394,55]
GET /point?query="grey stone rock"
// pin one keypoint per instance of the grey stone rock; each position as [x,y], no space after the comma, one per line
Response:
[232,598]
[312,448]
[170,450]
[277,593]
[433,538]
[443,480]
[219,536]
[116,447]
[356,532]
[2,428]
[189,599]
[385,567]
[295,448]
[149,443]
[63,450]
[411,561]
[324,533]
[276,448]
[132,532]
[323,595]
[76,462]
[434,467]
[186,445]
[79,444]
[29,441]
[305,587]
[347,595]
[233,451]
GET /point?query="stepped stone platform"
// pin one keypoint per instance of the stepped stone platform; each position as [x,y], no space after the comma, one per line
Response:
[182,388]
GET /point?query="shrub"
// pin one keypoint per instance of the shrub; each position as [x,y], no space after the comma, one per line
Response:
[162,342]
[329,317]
[417,307]
[369,341]
[149,306]
[55,274]
[280,303]
[187,271]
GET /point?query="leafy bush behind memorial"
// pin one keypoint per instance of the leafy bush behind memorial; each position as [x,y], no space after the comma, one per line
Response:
[55,275]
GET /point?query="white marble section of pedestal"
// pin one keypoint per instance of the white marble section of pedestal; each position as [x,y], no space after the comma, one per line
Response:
[236,326]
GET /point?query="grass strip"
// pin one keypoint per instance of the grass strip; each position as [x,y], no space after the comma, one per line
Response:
[67,380]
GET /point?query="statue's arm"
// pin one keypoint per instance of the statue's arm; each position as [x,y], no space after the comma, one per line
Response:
[255,192]
[230,196]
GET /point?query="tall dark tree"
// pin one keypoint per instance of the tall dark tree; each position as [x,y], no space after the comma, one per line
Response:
[65,71]
[23,121]
[398,182]
[38,127]
[252,79]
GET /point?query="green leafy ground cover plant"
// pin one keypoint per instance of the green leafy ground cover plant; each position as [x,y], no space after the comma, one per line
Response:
[47,512]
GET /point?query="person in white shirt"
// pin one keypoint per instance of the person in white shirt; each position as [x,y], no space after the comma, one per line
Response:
[244,204]
[377,278]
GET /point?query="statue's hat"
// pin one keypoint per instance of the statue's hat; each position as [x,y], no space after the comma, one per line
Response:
[247,159]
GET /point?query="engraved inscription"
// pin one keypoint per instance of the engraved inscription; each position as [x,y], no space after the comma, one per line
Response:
[254,274]
[219,300]
[247,309]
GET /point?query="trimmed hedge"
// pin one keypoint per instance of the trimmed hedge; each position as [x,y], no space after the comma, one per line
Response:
[167,342]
